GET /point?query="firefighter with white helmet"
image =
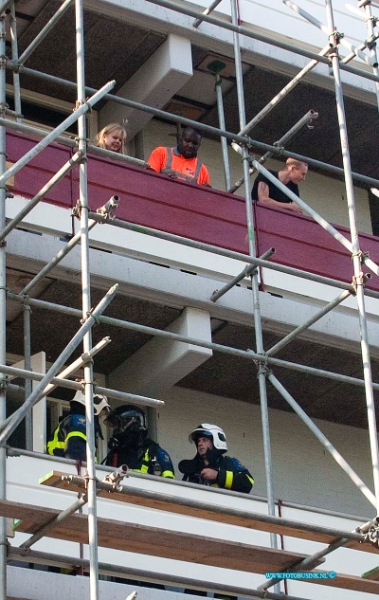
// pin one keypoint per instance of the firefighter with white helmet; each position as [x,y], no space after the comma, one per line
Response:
[69,438]
[211,466]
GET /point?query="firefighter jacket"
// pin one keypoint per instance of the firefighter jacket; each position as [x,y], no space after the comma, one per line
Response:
[231,474]
[148,458]
[69,439]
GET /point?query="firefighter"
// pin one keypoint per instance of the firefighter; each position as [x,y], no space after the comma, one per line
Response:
[210,466]
[69,438]
[130,445]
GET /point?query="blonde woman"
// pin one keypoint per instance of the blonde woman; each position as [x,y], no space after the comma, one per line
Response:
[112,137]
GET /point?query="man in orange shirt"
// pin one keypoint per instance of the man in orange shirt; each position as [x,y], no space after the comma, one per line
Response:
[181,162]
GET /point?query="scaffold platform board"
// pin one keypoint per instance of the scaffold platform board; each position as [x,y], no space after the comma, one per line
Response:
[164,543]
[183,506]
[152,541]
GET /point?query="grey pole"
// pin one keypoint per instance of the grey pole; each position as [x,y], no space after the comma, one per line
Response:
[3,314]
[356,255]
[283,93]
[207,11]
[44,31]
[53,134]
[258,36]
[4,5]
[324,311]
[254,283]
[16,74]
[55,260]
[318,218]
[328,31]
[245,273]
[28,382]
[58,364]
[324,440]
[40,195]
[221,119]
[245,354]
[305,120]
[86,307]
[177,119]
[372,37]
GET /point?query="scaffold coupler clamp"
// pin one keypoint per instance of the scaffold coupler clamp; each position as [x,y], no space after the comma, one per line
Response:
[370,532]
[360,280]
[116,477]
[108,209]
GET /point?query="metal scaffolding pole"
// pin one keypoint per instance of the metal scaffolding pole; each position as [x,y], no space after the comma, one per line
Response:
[349,245]
[28,382]
[86,307]
[371,22]
[328,31]
[207,11]
[59,381]
[43,33]
[305,120]
[231,254]
[356,252]
[324,311]
[221,118]
[41,194]
[16,74]
[189,122]
[3,316]
[58,560]
[283,93]
[323,439]
[258,36]
[245,354]
[75,116]
[259,356]
[90,319]
[254,284]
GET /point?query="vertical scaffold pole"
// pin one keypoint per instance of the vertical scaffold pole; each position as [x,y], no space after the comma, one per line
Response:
[356,253]
[86,307]
[255,282]
[370,22]
[16,74]
[3,319]
[27,382]
[221,120]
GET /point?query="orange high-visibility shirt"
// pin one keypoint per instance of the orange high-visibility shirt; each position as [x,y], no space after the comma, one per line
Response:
[169,161]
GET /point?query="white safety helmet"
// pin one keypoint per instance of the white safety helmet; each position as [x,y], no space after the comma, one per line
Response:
[209,430]
[99,402]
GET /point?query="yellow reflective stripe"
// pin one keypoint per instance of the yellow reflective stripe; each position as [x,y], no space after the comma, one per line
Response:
[76,434]
[168,474]
[143,469]
[229,480]
[251,479]
[54,444]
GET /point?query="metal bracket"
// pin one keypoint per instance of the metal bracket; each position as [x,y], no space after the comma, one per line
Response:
[107,210]
[116,477]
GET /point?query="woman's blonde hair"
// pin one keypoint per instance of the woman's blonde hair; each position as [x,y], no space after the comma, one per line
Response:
[99,140]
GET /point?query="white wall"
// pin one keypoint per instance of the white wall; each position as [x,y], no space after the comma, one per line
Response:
[304,472]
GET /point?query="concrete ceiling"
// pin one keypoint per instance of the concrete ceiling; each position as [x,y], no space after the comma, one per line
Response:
[116,50]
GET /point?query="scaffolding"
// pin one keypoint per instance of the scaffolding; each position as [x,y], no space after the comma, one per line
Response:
[262,358]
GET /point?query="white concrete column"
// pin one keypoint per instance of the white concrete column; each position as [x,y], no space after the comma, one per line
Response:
[155,82]
[161,363]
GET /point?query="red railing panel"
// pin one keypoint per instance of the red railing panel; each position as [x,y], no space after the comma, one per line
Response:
[31,178]
[190,211]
